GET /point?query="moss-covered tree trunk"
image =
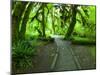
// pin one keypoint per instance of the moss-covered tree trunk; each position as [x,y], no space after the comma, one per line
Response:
[73,21]
[16,18]
[63,17]
[25,20]
[14,3]
[53,25]
[43,21]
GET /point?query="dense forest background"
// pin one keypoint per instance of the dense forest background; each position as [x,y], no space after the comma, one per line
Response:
[36,24]
[43,20]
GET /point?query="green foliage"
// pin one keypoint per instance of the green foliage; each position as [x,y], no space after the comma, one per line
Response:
[49,6]
[36,22]
[57,19]
[22,54]
[86,25]
[83,40]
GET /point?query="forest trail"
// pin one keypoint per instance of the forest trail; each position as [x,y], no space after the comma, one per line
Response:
[65,59]
[44,58]
[56,56]
[73,57]
[61,55]
[38,32]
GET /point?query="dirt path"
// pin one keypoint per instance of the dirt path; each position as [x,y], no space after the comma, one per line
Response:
[61,55]
[65,60]
[74,57]
[86,56]
[69,57]
[44,58]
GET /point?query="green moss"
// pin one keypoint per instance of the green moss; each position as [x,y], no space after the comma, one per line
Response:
[83,40]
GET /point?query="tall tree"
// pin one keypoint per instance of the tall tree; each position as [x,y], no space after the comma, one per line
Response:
[73,21]
[43,20]
[25,20]
[53,24]
[16,16]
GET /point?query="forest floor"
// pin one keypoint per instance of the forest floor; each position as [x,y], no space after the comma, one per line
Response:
[61,55]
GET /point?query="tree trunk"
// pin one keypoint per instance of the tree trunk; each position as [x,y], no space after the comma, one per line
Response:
[43,20]
[13,6]
[53,25]
[16,18]
[25,20]
[63,11]
[73,21]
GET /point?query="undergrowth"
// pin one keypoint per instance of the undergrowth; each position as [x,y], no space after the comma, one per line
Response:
[22,53]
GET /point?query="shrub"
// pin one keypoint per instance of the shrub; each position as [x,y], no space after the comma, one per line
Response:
[22,53]
[83,41]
